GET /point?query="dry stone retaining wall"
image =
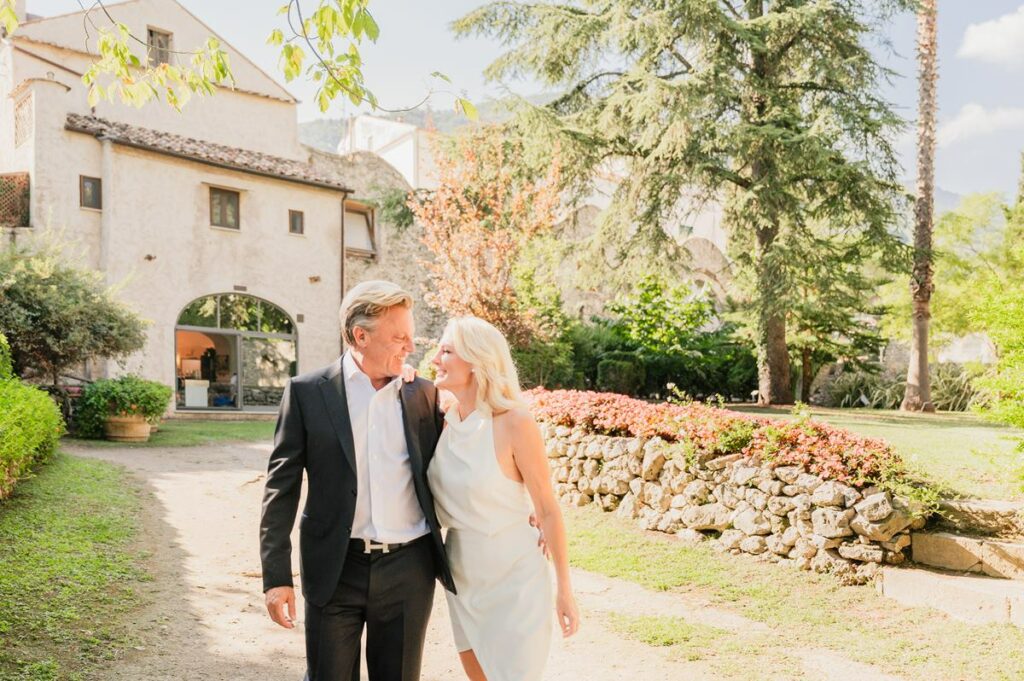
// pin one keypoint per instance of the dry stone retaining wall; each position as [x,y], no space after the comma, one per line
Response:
[781,513]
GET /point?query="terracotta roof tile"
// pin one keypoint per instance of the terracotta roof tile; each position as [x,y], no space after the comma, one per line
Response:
[212,153]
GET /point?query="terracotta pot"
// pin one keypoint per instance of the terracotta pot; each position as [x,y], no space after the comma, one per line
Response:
[126,428]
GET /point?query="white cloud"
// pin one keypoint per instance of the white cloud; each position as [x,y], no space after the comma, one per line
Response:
[999,41]
[974,120]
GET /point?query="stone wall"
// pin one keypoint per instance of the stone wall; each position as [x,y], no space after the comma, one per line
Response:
[400,252]
[782,514]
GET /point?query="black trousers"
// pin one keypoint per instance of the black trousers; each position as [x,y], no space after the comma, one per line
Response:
[391,594]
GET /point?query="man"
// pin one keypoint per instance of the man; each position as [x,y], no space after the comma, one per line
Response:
[369,541]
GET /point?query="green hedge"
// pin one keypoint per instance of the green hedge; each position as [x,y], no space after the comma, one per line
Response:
[30,426]
[6,362]
[545,364]
[125,396]
[621,372]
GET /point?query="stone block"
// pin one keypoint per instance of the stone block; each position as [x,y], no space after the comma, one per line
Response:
[863,553]
[741,475]
[752,522]
[776,545]
[731,539]
[772,488]
[979,600]
[754,544]
[696,493]
[876,507]
[707,517]
[628,508]
[897,521]
[721,462]
[829,493]
[781,505]
[969,554]
[757,498]
[788,474]
[808,483]
[655,497]
[691,537]
[831,523]
[654,460]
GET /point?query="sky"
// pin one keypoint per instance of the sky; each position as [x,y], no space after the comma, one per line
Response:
[980,93]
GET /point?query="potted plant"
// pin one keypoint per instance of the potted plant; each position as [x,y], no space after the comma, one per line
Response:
[122,409]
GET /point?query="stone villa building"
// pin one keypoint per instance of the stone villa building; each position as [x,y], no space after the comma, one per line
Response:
[233,240]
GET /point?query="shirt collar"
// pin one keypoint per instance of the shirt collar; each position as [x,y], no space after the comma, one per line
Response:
[351,370]
[349,366]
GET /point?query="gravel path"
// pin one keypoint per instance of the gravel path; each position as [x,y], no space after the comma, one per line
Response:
[203,614]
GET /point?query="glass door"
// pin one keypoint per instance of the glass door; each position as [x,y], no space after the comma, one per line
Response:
[206,370]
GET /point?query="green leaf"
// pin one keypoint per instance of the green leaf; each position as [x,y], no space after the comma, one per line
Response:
[357,25]
[466,108]
[438,74]
[372,30]
[8,19]
[276,37]
[93,97]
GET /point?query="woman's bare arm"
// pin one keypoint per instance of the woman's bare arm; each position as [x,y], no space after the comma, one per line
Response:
[532,462]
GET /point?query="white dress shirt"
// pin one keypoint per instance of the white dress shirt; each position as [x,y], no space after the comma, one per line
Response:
[387,509]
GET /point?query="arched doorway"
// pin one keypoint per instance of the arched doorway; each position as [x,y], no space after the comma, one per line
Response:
[233,351]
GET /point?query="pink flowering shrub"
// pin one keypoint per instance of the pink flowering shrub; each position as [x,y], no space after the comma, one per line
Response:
[822,449]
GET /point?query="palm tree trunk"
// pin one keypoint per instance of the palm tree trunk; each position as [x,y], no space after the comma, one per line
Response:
[918,392]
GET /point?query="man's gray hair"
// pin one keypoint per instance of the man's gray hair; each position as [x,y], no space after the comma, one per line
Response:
[366,302]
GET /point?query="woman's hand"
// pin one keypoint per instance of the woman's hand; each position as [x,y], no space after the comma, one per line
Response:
[541,542]
[568,613]
[408,373]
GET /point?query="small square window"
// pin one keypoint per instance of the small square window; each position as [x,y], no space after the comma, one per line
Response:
[296,222]
[90,192]
[159,44]
[224,208]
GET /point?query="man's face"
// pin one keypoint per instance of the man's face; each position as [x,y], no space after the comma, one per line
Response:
[388,345]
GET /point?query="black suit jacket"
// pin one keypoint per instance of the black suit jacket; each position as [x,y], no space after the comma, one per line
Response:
[314,434]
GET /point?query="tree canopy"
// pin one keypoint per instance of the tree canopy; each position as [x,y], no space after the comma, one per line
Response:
[770,107]
[57,316]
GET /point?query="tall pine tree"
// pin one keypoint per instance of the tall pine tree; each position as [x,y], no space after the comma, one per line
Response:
[769,106]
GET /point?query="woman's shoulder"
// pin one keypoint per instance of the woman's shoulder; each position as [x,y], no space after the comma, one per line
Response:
[515,418]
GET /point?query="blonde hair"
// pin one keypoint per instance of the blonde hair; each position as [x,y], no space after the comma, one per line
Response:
[485,348]
[366,302]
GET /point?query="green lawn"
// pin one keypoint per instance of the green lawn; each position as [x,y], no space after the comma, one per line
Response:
[802,610]
[960,452]
[193,433]
[67,570]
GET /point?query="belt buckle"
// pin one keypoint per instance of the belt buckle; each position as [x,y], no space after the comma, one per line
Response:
[369,546]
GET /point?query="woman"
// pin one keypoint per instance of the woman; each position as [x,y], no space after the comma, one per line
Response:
[489,465]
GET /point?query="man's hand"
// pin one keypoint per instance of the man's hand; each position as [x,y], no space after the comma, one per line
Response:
[281,605]
[540,539]
[408,373]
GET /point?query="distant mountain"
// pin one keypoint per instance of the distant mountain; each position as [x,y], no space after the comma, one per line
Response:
[325,133]
[946,201]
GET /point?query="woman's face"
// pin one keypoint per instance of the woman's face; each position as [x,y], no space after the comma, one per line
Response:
[453,372]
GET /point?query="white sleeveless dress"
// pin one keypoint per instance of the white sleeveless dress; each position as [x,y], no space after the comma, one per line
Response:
[504,609]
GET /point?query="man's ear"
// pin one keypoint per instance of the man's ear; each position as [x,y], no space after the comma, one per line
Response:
[359,335]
